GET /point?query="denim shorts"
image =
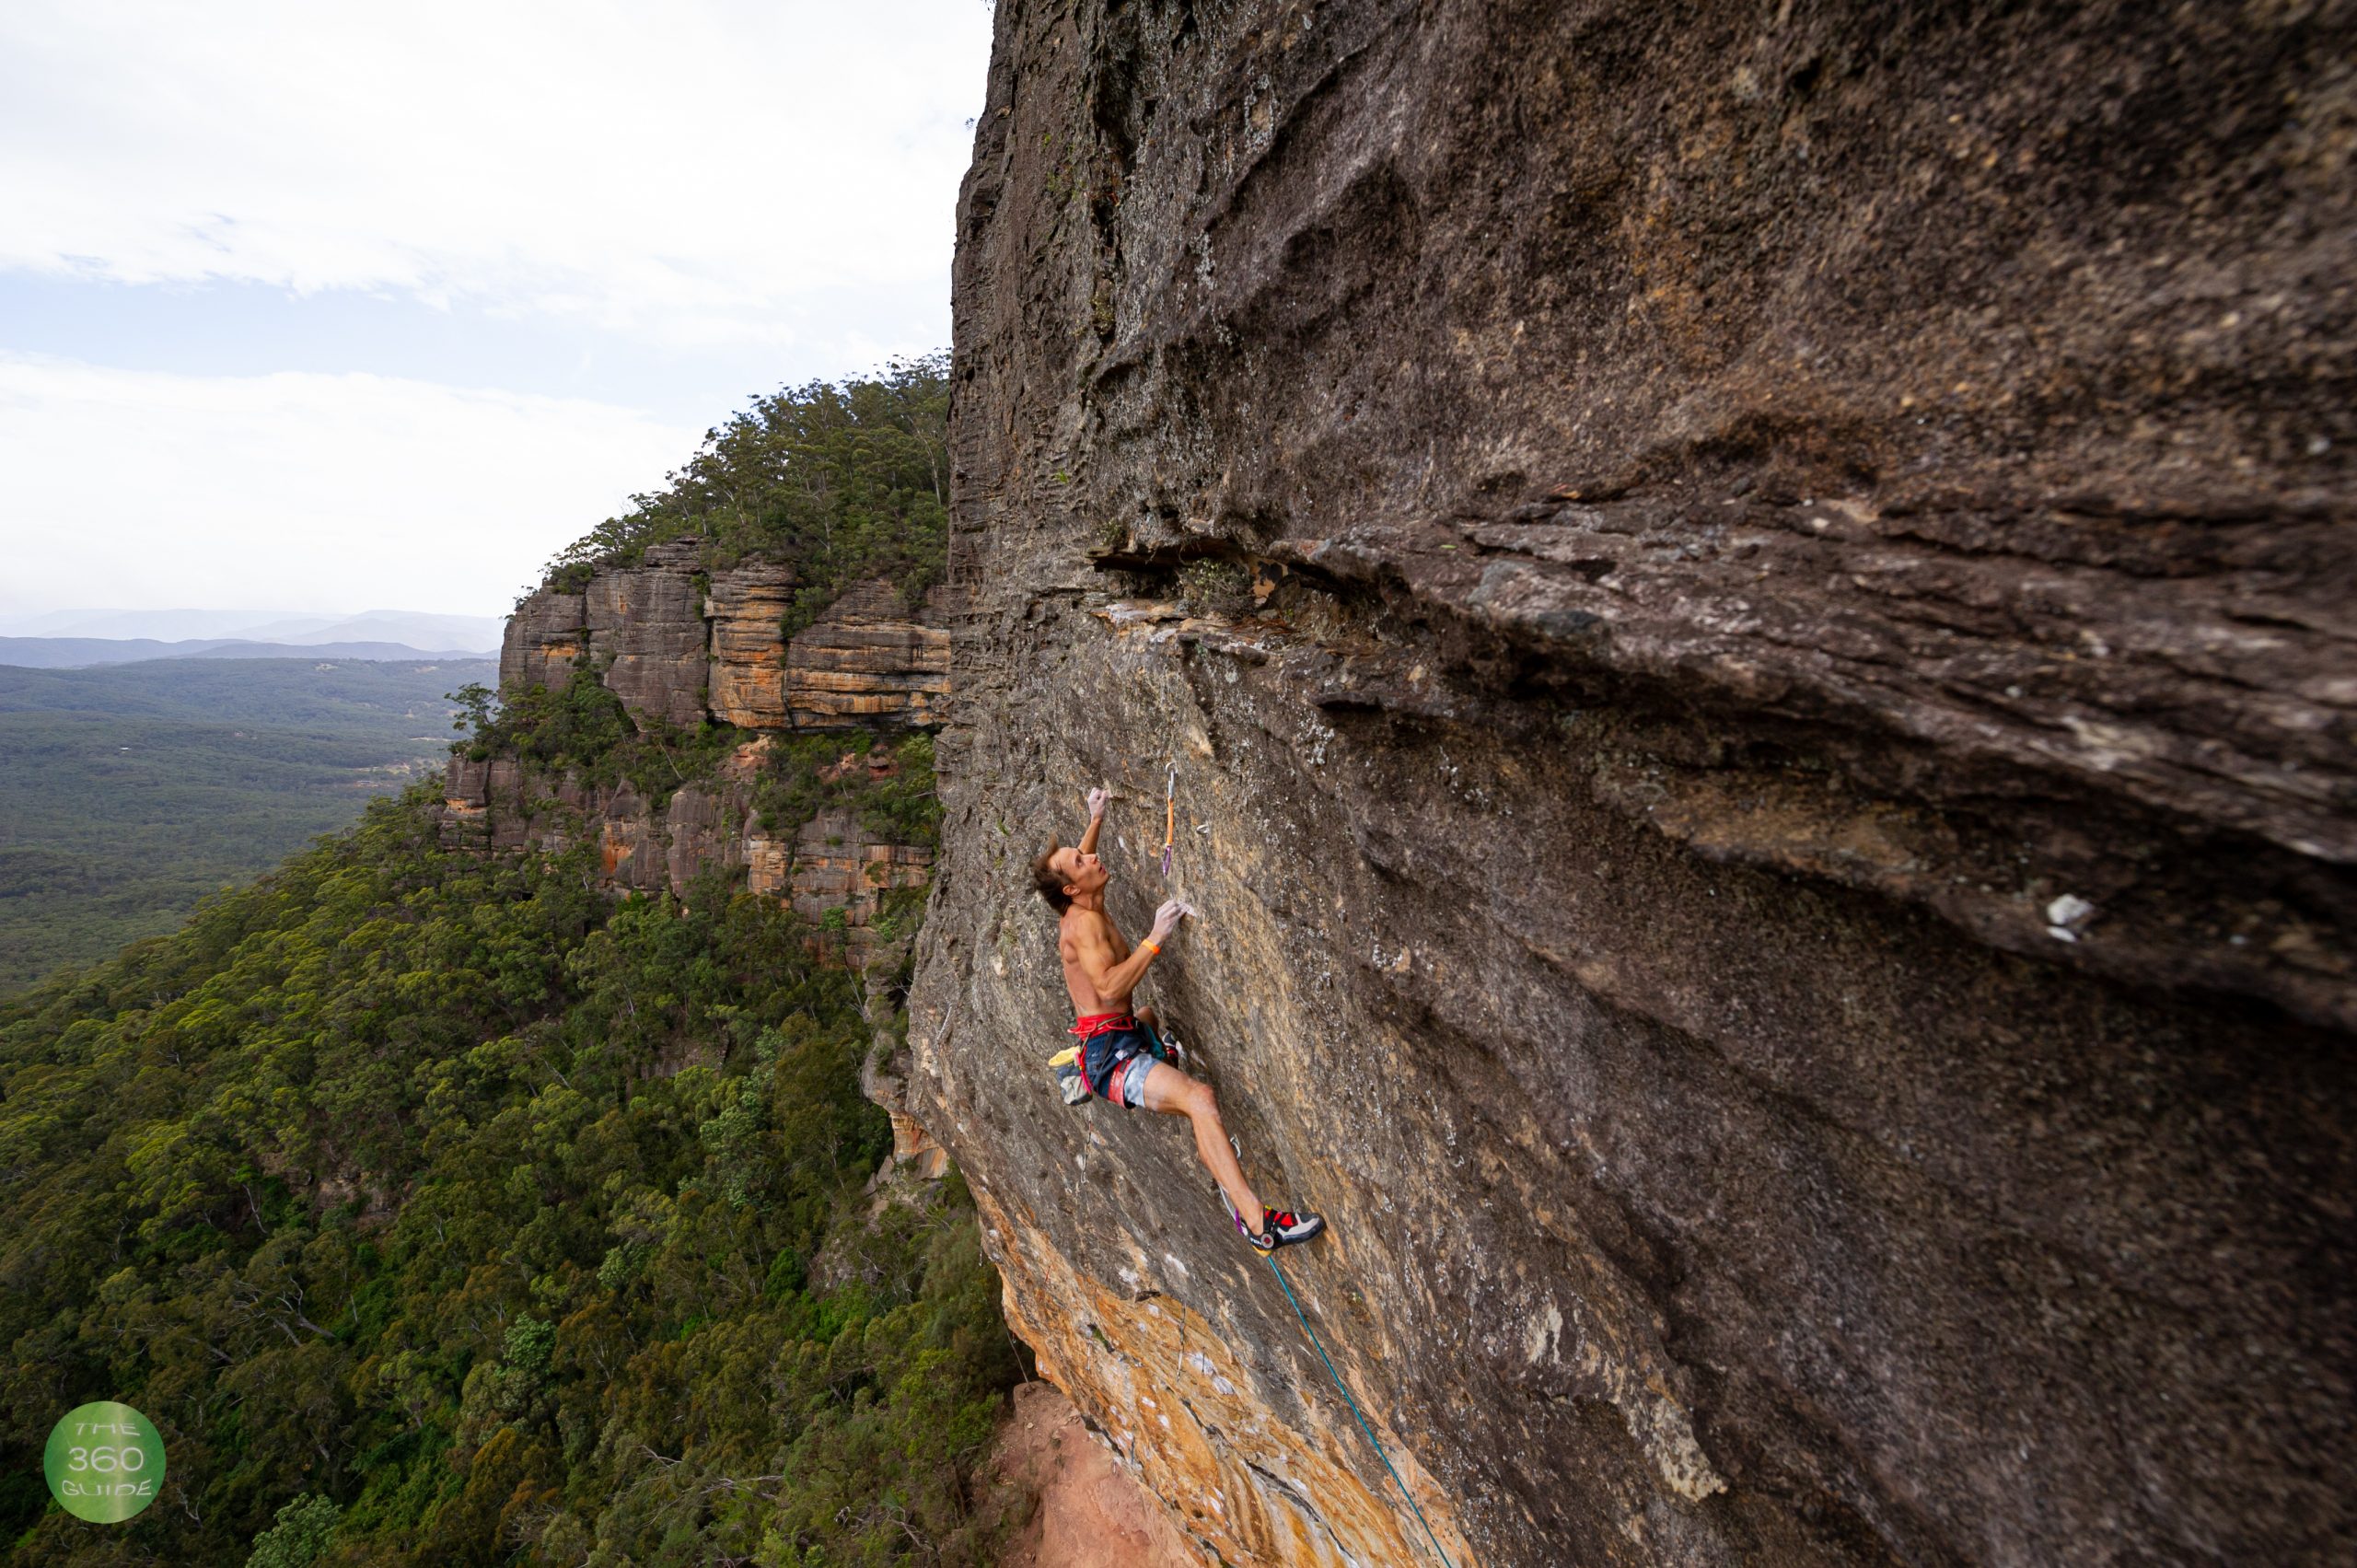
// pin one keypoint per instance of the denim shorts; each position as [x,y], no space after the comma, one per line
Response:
[1120,1059]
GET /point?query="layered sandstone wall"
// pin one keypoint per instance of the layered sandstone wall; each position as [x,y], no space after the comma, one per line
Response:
[866,661]
[1750,604]
[679,647]
[747,607]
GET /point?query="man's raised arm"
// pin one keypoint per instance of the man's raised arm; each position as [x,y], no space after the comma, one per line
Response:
[1096,800]
[1120,980]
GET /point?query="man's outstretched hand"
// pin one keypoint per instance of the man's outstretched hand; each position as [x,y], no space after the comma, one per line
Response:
[1166,918]
[1096,800]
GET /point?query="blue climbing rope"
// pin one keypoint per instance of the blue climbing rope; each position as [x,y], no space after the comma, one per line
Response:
[1371,1438]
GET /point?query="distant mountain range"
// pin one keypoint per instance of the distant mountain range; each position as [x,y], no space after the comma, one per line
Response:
[80,638]
[84,652]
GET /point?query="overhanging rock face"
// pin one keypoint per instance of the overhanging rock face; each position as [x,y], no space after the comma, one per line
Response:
[1751,607]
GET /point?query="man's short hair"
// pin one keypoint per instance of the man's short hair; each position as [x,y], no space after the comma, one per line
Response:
[1048,880]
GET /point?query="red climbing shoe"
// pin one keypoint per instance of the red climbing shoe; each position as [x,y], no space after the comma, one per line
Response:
[1281,1228]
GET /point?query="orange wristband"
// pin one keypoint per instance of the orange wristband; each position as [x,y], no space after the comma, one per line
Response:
[1154,947]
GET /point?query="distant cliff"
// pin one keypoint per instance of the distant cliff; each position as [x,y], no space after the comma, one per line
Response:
[686,650]
[1750,607]
[681,647]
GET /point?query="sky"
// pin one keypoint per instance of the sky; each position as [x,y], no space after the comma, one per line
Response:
[326,308]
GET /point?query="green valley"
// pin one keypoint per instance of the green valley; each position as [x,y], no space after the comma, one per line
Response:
[450,1204]
[129,792]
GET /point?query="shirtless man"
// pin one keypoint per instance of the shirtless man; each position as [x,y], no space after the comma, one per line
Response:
[1117,1054]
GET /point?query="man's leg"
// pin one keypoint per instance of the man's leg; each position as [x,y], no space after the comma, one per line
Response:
[1173,1093]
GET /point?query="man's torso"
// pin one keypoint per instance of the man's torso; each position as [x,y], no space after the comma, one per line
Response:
[1082,933]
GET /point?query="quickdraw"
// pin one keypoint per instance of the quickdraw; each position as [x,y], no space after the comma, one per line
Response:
[1169,818]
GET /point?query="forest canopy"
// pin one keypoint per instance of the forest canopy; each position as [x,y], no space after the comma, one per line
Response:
[440,1209]
[443,1207]
[847,481]
[129,792]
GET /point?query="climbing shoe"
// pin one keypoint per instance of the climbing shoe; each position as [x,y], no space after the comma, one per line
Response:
[1280,1228]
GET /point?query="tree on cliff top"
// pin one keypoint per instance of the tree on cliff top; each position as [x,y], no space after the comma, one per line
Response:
[843,480]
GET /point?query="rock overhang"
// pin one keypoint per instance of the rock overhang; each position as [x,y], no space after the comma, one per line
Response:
[1796,761]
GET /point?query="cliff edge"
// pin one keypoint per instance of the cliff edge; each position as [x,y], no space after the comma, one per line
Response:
[1750,607]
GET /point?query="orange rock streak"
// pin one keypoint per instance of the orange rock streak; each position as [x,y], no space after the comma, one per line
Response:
[1199,1428]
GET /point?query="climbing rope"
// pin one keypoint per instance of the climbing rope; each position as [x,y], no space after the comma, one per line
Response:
[1170,837]
[1371,1438]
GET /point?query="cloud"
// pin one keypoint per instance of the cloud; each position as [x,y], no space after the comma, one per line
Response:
[339,492]
[683,173]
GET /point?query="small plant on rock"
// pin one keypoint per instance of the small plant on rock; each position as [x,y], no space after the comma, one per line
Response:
[1216,588]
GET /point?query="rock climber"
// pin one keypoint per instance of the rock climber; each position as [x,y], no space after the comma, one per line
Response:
[1118,1057]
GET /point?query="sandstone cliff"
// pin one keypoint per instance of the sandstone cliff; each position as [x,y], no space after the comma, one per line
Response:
[1750,603]
[682,648]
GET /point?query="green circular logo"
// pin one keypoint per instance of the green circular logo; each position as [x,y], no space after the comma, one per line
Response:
[105,1462]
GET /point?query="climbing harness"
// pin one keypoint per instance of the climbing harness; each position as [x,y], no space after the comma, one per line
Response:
[1069,1066]
[1355,1412]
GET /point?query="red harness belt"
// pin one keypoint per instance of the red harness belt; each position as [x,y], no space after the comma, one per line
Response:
[1088,1029]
